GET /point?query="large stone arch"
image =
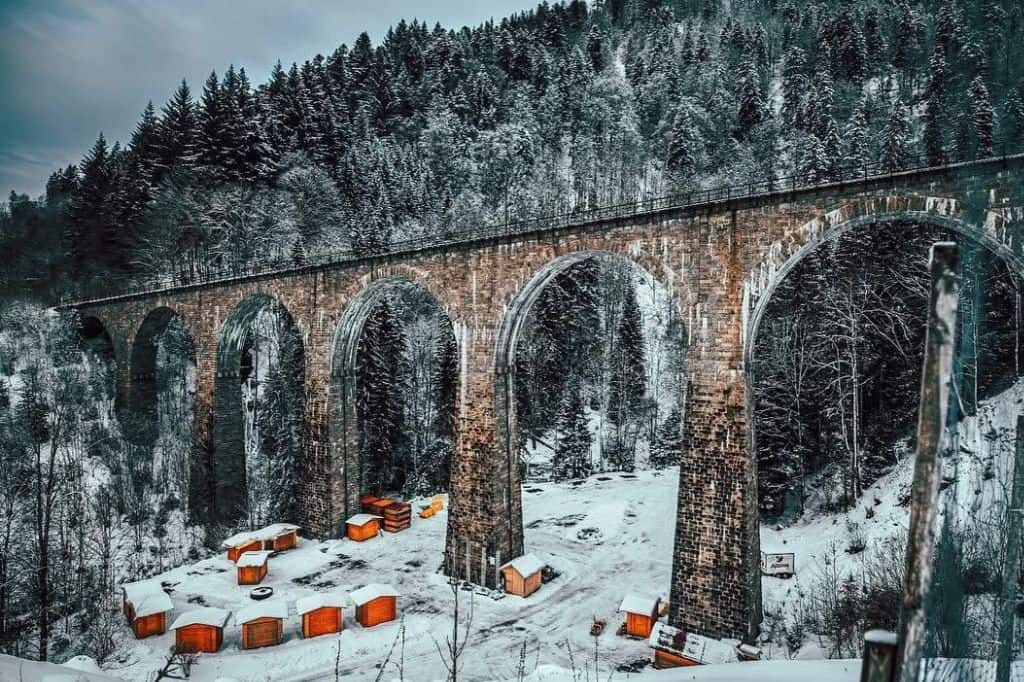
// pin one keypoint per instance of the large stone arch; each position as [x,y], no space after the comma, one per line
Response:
[514,317]
[141,414]
[343,427]
[988,229]
[226,470]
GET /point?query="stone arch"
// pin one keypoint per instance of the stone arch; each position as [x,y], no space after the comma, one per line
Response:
[226,466]
[142,427]
[516,313]
[343,424]
[95,336]
[783,257]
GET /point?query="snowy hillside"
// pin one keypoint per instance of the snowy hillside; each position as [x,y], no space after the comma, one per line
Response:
[605,536]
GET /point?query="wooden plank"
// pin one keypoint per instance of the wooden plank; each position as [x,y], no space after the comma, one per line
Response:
[932,437]
[1011,570]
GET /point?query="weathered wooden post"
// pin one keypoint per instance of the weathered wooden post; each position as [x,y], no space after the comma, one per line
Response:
[879,656]
[1011,569]
[931,440]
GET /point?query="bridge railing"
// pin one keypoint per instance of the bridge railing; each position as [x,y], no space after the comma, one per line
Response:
[112,287]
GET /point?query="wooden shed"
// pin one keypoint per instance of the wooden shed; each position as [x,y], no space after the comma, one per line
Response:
[641,615]
[200,630]
[321,613]
[240,543]
[674,648]
[149,614]
[279,537]
[262,624]
[522,576]
[133,593]
[362,527]
[375,603]
[252,567]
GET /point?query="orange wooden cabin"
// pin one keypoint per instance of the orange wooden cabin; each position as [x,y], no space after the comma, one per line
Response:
[240,543]
[280,537]
[262,624]
[362,527]
[375,604]
[674,648]
[252,567]
[133,593]
[641,615]
[321,613]
[200,630]
[149,614]
[522,576]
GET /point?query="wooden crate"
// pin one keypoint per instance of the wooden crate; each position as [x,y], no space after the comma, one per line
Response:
[377,611]
[322,621]
[252,575]
[194,639]
[397,516]
[239,550]
[365,501]
[364,532]
[378,506]
[262,632]
[146,626]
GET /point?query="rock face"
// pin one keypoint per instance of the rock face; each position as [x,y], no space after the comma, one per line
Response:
[720,262]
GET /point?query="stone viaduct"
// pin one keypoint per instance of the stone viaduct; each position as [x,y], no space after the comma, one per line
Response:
[720,259]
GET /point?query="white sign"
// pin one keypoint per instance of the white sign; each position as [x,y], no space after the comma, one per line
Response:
[778,564]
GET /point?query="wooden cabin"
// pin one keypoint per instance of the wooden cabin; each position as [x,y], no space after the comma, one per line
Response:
[200,630]
[674,648]
[362,527]
[641,615]
[321,613]
[262,624]
[132,593]
[375,603]
[252,567]
[240,543]
[522,576]
[149,614]
[280,537]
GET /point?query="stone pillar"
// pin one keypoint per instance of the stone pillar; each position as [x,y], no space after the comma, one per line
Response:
[485,515]
[715,575]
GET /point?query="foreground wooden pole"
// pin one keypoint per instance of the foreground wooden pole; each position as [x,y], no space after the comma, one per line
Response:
[931,440]
[1011,569]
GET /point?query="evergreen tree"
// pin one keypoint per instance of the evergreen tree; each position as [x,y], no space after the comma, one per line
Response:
[750,99]
[896,139]
[96,242]
[685,146]
[934,146]
[177,143]
[668,445]
[983,119]
[627,384]
[572,453]
[212,139]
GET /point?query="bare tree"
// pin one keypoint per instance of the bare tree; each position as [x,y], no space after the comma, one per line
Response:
[455,643]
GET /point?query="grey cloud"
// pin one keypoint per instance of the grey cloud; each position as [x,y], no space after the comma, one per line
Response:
[72,68]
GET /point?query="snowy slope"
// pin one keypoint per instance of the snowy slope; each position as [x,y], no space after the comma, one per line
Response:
[606,536]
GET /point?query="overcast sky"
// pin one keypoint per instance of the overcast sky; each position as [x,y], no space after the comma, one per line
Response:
[69,69]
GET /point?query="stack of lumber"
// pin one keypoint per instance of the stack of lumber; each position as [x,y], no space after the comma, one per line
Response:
[397,516]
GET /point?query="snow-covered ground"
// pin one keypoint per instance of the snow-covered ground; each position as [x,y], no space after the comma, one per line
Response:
[606,536]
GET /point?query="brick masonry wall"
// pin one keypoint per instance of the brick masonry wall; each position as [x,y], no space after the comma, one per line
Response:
[720,267]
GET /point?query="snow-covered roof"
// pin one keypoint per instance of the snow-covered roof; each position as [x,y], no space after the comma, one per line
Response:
[134,592]
[246,536]
[526,565]
[362,519]
[207,615]
[635,603]
[273,530]
[154,602]
[365,595]
[248,559]
[271,608]
[704,650]
[320,600]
